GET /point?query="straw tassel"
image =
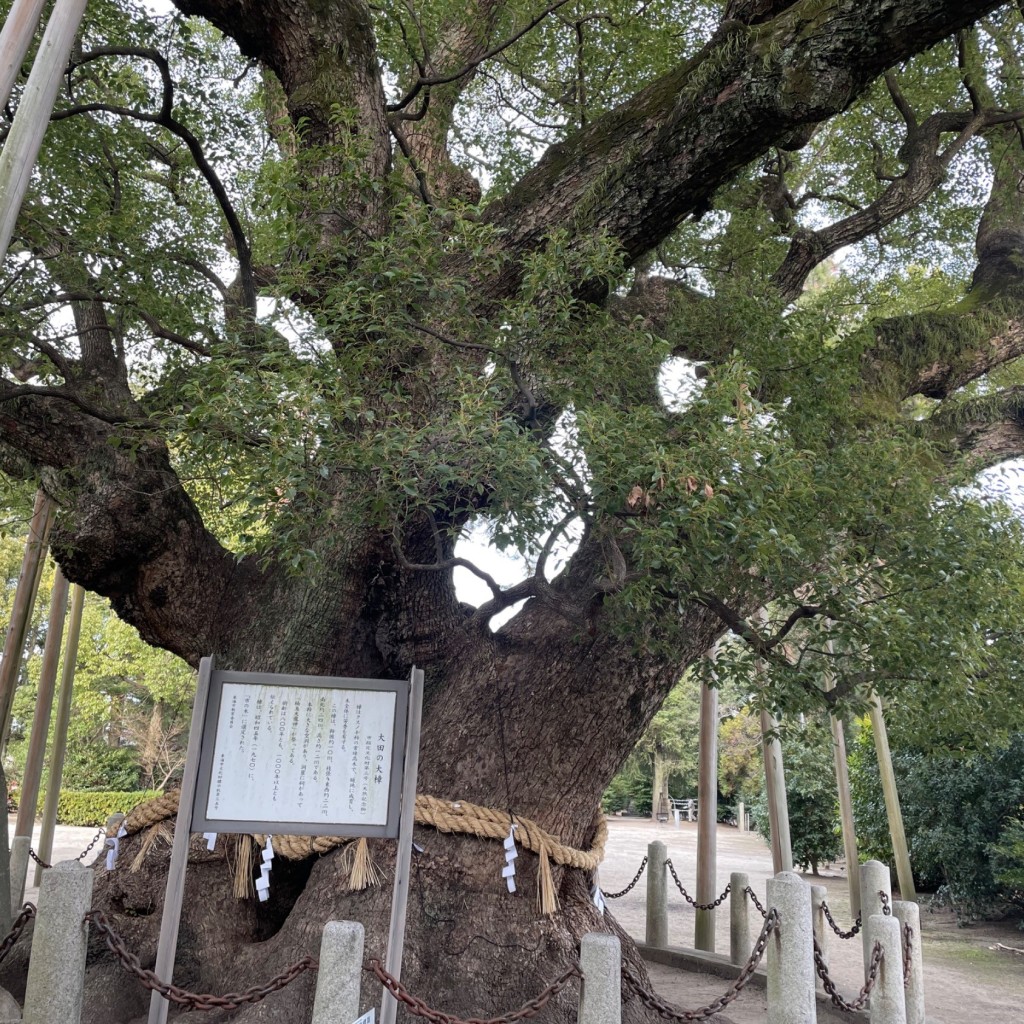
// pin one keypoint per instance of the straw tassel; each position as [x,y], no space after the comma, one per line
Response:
[243,887]
[545,883]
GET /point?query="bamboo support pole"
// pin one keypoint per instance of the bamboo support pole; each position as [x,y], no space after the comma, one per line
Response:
[707,818]
[60,729]
[892,803]
[21,149]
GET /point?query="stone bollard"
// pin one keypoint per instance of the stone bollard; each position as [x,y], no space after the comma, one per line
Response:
[601,992]
[19,871]
[791,952]
[874,878]
[56,971]
[819,895]
[908,913]
[887,1002]
[739,919]
[741,816]
[657,895]
[340,974]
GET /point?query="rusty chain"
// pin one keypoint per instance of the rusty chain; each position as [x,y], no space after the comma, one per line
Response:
[622,892]
[670,1012]
[28,911]
[830,986]
[843,935]
[908,938]
[884,897]
[39,860]
[689,899]
[182,997]
[101,834]
[419,1008]
[757,903]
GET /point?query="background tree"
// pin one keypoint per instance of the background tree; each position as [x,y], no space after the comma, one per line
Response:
[272,358]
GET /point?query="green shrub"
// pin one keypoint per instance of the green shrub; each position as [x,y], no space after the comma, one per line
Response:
[78,807]
[1008,861]
[811,796]
[956,811]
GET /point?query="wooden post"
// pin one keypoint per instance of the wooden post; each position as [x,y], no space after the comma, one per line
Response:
[707,818]
[403,856]
[168,942]
[775,787]
[44,703]
[15,39]
[892,803]
[21,149]
[21,611]
[60,730]
[845,800]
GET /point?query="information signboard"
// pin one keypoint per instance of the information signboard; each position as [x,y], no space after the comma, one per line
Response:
[302,755]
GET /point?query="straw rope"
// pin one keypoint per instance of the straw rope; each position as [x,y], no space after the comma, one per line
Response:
[457,817]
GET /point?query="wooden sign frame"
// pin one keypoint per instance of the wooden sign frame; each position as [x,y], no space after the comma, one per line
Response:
[406,755]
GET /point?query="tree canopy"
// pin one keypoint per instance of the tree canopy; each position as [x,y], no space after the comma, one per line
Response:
[699,308]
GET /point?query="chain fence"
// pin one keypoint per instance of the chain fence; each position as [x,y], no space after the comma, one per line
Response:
[884,897]
[85,853]
[182,997]
[830,986]
[757,903]
[622,892]
[28,912]
[839,931]
[670,1012]
[689,899]
[908,939]
[419,1008]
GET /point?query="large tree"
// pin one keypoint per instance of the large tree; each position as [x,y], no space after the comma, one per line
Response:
[273,355]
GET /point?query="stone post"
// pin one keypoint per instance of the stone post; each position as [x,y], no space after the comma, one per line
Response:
[739,919]
[600,993]
[340,974]
[791,952]
[741,816]
[56,971]
[887,1003]
[908,913]
[657,895]
[19,871]
[819,895]
[874,878]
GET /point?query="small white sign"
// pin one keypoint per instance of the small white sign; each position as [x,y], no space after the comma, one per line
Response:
[302,754]
[367,1018]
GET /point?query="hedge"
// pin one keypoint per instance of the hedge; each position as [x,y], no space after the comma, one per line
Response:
[85,807]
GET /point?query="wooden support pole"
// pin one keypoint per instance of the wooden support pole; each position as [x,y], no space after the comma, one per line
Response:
[707,818]
[15,39]
[60,730]
[21,149]
[892,802]
[44,704]
[775,787]
[21,611]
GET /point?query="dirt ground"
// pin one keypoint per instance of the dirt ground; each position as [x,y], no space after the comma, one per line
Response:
[967,979]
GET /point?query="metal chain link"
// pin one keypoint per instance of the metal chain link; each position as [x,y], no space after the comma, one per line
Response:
[843,935]
[884,897]
[101,834]
[622,892]
[39,860]
[28,911]
[419,1008]
[757,903]
[180,996]
[830,986]
[689,899]
[670,1012]
[908,939]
